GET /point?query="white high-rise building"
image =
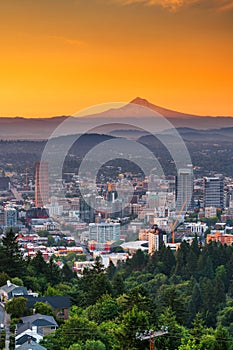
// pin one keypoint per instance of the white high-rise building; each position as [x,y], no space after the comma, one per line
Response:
[104,232]
[184,189]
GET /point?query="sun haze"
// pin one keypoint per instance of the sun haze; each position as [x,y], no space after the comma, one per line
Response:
[59,56]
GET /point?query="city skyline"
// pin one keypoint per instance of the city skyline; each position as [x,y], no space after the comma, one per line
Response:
[59,57]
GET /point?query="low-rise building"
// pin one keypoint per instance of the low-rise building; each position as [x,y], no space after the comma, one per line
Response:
[11,290]
[222,238]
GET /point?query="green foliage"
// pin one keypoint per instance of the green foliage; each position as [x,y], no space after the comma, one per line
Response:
[189,291]
[18,281]
[52,291]
[190,345]
[76,329]
[44,309]
[16,307]
[178,332]
[89,345]
[133,321]
[105,309]
[92,286]
[4,277]
[94,345]
[11,260]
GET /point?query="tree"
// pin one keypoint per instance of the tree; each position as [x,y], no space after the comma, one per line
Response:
[44,309]
[111,270]
[133,321]
[77,329]
[196,303]
[118,285]
[17,281]
[67,273]
[75,347]
[53,273]
[209,307]
[16,307]
[104,310]
[4,277]
[92,285]
[39,264]
[219,292]
[181,260]
[190,345]
[178,332]
[207,342]
[52,291]
[223,339]
[225,317]
[11,260]
[94,345]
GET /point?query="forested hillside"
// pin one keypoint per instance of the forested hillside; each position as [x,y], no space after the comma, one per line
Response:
[189,291]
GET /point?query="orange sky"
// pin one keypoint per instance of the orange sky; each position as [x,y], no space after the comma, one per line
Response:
[58,56]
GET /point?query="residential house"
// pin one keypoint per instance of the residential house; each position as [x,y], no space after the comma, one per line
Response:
[60,304]
[31,345]
[39,324]
[11,290]
[24,332]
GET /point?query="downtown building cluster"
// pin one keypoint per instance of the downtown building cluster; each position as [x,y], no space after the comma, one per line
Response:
[161,210]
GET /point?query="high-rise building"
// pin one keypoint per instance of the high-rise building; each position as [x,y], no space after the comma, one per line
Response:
[10,217]
[41,184]
[86,211]
[156,238]
[104,232]
[214,192]
[184,189]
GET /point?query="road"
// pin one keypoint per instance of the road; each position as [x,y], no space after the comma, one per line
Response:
[5,319]
[2,313]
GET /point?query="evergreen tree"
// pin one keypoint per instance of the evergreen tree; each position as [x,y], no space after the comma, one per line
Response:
[196,303]
[53,273]
[111,270]
[11,260]
[67,273]
[118,286]
[4,277]
[219,292]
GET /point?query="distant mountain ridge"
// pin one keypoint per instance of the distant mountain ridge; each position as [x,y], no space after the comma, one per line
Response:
[18,128]
[168,113]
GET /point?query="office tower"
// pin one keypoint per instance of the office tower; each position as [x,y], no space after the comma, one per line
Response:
[10,217]
[85,209]
[41,184]
[184,189]
[4,183]
[214,192]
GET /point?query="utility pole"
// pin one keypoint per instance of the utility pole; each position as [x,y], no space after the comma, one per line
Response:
[151,335]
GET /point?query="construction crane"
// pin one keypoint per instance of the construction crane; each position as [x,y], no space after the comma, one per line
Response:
[151,335]
[177,219]
[26,180]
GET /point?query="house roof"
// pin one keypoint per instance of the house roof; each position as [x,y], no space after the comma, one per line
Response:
[8,288]
[39,320]
[24,339]
[43,323]
[21,327]
[56,301]
[31,346]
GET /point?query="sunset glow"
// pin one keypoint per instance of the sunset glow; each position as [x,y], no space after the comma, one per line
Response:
[61,56]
